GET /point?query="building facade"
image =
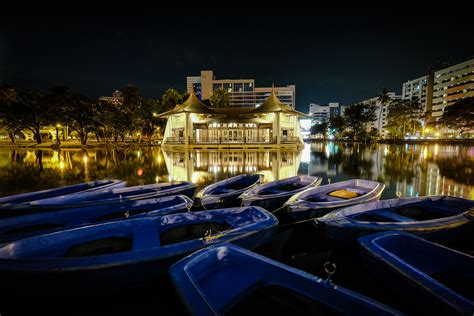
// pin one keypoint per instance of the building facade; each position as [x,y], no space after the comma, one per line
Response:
[322,113]
[381,111]
[450,85]
[194,125]
[243,92]
[416,88]
[116,98]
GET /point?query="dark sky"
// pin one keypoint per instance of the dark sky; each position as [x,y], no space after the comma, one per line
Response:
[340,59]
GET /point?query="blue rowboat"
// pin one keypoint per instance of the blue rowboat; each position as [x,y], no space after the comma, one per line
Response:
[123,253]
[428,277]
[41,223]
[112,196]
[226,193]
[226,279]
[434,217]
[316,202]
[82,187]
[271,196]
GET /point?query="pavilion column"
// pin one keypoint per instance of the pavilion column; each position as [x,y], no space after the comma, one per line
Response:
[187,128]
[276,127]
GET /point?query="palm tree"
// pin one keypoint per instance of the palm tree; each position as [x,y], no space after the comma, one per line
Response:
[384,97]
[220,98]
[170,98]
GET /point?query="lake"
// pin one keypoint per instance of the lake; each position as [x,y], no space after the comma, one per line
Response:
[409,170]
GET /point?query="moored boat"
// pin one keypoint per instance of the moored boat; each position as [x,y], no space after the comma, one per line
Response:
[76,188]
[226,193]
[226,279]
[427,277]
[41,223]
[319,201]
[127,252]
[434,217]
[272,195]
[101,197]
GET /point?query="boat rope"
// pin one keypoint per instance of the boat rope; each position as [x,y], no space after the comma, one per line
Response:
[296,223]
[278,209]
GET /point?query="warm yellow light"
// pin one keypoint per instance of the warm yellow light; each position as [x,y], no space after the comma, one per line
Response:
[58,125]
[427,130]
[61,165]
[437,134]
[85,159]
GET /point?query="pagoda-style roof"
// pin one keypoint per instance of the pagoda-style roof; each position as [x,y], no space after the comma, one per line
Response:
[191,105]
[273,104]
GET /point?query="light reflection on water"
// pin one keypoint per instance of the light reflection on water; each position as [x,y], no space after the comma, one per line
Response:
[410,169]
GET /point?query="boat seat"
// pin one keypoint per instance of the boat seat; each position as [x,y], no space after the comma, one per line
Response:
[360,190]
[344,194]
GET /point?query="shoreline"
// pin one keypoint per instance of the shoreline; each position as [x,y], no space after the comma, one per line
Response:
[75,145]
[398,141]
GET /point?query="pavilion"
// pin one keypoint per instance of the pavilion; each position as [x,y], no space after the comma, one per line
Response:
[194,125]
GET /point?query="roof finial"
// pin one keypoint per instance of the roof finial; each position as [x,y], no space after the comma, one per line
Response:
[273,88]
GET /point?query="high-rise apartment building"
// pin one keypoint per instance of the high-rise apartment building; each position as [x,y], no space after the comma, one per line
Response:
[416,88]
[322,113]
[452,84]
[381,112]
[243,92]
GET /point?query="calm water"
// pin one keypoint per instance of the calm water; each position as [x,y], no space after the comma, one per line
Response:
[411,170]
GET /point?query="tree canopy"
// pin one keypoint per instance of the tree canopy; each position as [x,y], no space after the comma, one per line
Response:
[459,116]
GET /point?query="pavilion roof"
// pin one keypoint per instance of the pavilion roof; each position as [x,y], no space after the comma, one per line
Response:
[191,105]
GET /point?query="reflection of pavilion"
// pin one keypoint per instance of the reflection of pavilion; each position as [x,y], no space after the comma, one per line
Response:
[203,167]
[194,125]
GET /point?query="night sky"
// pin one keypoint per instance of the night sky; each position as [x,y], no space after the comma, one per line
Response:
[329,59]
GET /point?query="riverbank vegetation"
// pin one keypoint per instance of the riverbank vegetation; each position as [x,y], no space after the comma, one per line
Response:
[63,114]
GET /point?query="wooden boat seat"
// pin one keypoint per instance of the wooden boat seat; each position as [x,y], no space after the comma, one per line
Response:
[344,194]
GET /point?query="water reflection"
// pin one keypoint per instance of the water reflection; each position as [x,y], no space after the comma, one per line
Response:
[205,167]
[410,169]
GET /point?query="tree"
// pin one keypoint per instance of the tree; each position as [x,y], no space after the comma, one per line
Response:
[32,112]
[404,115]
[169,99]
[459,116]
[79,115]
[8,118]
[384,97]
[357,116]
[220,98]
[319,129]
[337,125]
[58,98]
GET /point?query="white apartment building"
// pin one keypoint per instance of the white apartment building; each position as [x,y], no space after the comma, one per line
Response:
[416,88]
[322,113]
[243,92]
[381,112]
[452,84]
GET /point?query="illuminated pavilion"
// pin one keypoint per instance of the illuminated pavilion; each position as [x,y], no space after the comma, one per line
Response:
[192,124]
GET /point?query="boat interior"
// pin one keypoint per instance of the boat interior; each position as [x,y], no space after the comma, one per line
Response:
[241,184]
[278,300]
[192,231]
[450,268]
[404,213]
[283,188]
